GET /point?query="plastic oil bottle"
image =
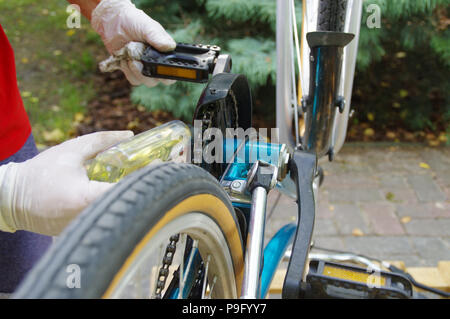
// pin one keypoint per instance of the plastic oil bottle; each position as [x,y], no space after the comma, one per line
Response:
[168,142]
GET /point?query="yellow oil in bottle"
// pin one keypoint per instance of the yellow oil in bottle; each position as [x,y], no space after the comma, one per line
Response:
[168,142]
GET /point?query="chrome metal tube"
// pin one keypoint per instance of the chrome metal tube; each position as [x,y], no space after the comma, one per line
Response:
[284,111]
[352,25]
[255,243]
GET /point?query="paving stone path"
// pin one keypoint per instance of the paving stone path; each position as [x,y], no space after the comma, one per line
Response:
[389,202]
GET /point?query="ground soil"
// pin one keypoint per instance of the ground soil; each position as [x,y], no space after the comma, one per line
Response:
[112,109]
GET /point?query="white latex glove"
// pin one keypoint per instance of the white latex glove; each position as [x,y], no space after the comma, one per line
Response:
[45,193]
[127,59]
[119,22]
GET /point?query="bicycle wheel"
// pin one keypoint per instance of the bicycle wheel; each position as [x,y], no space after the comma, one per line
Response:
[122,244]
[331,15]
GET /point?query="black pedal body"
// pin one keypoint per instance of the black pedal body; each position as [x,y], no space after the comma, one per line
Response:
[188,62]
[335,280]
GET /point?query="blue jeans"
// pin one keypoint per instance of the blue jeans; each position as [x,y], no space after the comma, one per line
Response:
[19,251]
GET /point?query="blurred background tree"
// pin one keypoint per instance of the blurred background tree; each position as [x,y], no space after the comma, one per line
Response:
[402,72]
[400,90]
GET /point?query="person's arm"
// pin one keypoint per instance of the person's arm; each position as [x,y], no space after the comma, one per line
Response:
[45,193]
[86,6]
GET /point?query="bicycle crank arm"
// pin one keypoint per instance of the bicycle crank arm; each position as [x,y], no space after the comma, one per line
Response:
[302,169]
[188,62]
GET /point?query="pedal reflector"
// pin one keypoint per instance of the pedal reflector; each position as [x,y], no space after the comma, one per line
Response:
[176,72]
[346,274]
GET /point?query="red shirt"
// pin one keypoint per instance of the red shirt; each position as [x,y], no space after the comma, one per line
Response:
[14,124]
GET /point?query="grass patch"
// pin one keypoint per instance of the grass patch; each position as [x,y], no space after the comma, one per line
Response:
[55,65]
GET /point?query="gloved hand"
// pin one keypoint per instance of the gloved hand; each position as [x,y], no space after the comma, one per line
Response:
[119,22]
[127,59]
[45,193]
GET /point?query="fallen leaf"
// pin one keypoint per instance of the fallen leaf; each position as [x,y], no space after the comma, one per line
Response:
[408,136]
[55,108]
[34,99]
[79,117]
[403,93]
[55,135]
[331,208]
[41,147]
[70,33]
[400,55]
[442,137]
[434,143]
[370,117]
[405,219]
[369,132]
[26,94]
[357,232]
[390,196]
[133,124]
[24,60]
[393,148]
[424,165]
[391,135]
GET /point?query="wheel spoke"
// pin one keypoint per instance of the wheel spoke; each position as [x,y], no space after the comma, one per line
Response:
[181,276]
[188,267]
[212,287]
[205,277]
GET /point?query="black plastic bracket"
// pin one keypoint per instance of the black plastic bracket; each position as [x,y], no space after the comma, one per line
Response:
[303,167]
[340,104]
[188,62]
[262,175]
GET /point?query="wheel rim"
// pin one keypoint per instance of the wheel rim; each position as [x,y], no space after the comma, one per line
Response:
[139,278]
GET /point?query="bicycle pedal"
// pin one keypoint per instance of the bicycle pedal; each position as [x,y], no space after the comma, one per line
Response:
[188,62]
[332,280]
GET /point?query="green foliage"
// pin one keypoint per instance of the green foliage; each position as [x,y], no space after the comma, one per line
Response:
[408,54]
[179,98]
[413,22]
[246,30]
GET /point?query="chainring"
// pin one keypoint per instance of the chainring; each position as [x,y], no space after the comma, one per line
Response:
[225,103]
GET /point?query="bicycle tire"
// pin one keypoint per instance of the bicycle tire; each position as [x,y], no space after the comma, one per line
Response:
[105,236]
[331,15]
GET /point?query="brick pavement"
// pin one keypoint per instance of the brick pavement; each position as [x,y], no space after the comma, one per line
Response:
[389,202]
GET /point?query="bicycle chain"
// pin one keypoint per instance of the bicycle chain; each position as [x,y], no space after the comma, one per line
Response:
[166,263]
